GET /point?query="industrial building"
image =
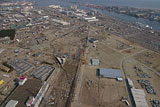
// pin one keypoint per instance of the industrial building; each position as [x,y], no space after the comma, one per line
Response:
[95,61]
[139,96]
[42,71]
[109,73]
[55,6]
[61,22]
[90,19]
[20,66]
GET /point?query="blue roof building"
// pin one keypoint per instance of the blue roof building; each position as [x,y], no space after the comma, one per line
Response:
[110,73]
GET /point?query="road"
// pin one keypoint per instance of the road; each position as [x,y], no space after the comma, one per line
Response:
[125,76]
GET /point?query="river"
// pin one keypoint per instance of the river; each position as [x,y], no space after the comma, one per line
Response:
[132,3]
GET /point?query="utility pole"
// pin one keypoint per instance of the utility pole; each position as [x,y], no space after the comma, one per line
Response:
[53,12]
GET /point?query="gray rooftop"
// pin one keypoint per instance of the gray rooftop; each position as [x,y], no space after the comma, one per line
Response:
[95,61]
[11,103]
[42,70]
[139,97]
[20,65]
[110,73]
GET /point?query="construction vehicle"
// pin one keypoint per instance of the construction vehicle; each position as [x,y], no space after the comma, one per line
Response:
[84,60]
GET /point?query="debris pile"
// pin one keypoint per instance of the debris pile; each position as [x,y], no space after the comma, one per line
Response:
[144,75]
[147,85]
[140,73]
[155,103]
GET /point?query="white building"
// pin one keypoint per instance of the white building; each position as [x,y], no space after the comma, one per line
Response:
[55,6]
[95,61]
[30,101]
[90,19]
[22,80]
[61,22]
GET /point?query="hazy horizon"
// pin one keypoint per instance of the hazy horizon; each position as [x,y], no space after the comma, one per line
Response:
[131,3]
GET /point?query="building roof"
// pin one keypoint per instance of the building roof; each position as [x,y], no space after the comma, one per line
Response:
[23,77]
[139,97]
[42,70]
[11,103]
[111,73]
[20,65]
[95,61]
[130,82]
[30,100]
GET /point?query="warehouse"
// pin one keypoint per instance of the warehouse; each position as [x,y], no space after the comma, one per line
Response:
[42,71]
[109,73]
[61,22]
[20,66]
[90,19]
[139,97]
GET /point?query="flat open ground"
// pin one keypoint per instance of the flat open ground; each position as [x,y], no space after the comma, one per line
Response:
[95,91]
[149,58]
[114,52]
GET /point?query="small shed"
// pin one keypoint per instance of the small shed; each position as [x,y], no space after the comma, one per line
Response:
[95,61]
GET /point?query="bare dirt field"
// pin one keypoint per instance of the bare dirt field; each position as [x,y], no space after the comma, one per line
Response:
[114,52]
[95,91]
[149,58]
[62,85]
